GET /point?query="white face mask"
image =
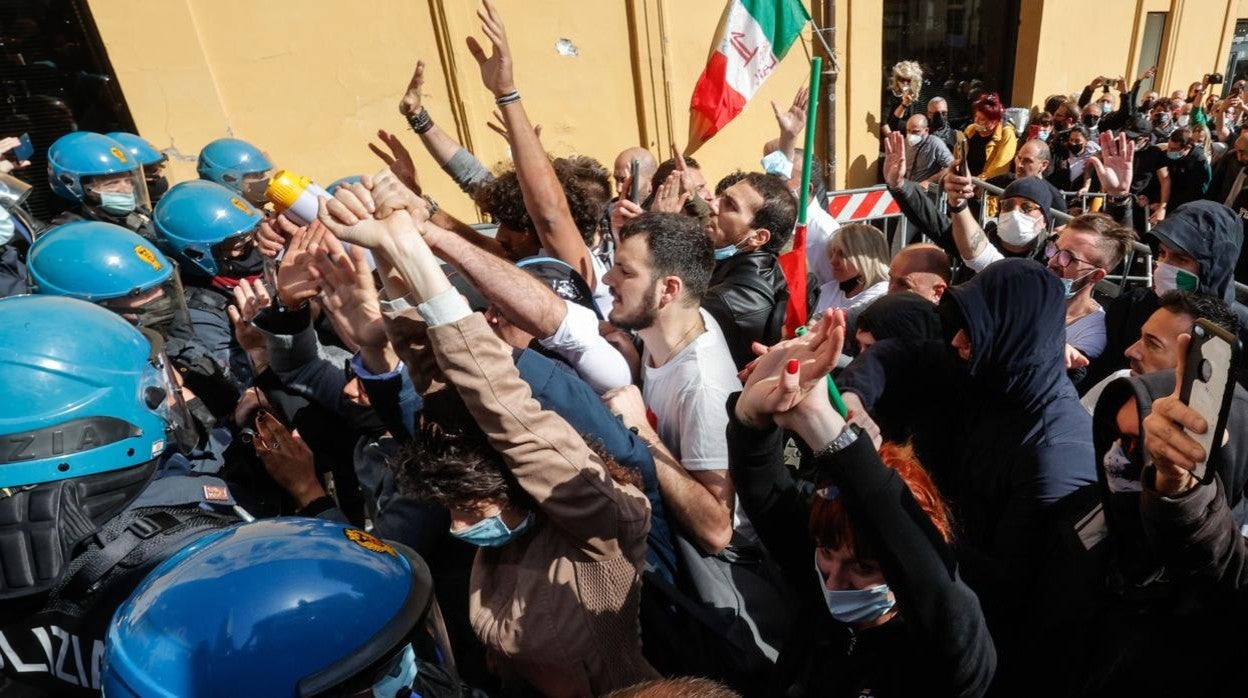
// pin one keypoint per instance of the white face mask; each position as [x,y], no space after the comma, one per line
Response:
[1017,228]
[1167,277]
[914,139]
[1184,120]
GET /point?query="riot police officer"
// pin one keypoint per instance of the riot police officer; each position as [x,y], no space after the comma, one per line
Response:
[150,159]
[209,230]
[314,609]
[101,178]
[89,502]
[238,165]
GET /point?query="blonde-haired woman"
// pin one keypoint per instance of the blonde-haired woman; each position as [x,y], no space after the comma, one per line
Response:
[904,84]
[859,257]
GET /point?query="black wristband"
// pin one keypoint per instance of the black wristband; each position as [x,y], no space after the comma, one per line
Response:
[420,121]
[960,207]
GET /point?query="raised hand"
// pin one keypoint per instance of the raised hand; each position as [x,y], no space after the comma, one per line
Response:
[957,187]
[268,238]
[495,68]
[296,282]
[894,159]
[410,105]
[350,297]
[287,459]
[1173,452]
[670,197]
[390,195]
[497,125]
[250,297]
[1115,163]
[784,374]
[7,165]
[398,160]
[793,120]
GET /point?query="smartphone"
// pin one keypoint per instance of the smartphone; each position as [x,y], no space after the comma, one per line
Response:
[959,157]
[634,191]
[24,149]
[1208,384]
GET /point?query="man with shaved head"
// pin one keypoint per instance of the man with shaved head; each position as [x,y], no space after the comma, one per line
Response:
[921,268]
[623,166]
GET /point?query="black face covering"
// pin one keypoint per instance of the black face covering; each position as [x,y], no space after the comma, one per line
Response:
[250,264]
[156,188]
[47,522]
[1091,121]
[156,315]
[938,121]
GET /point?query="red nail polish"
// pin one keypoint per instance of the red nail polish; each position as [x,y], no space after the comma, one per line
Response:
[792,366]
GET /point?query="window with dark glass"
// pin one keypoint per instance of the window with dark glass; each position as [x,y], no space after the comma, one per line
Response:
[964,46]
[56,78]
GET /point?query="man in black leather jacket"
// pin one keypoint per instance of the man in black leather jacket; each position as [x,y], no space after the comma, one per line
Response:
[751,221]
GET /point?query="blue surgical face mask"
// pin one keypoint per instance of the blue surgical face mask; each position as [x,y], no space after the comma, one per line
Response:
[491,532]
[1043,135]
[116,203]
[727,251]
[1173,154]
[776,163]
[854,606]
[1069,287]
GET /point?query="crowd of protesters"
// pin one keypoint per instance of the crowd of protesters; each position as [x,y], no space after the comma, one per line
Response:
[359,446]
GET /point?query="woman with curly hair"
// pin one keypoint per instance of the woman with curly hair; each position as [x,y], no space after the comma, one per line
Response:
[867,545]
[904,85]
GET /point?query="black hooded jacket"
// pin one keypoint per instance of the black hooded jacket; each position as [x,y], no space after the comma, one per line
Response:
[1004,435]
[1213,235]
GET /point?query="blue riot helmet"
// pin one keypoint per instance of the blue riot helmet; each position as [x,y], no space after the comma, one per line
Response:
[111,266]
[349,179]
[97,172]
[238,165]
[89,406]
[150,159]
[209,230]
[282,607]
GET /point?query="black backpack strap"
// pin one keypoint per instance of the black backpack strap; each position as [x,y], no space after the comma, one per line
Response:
[85,580]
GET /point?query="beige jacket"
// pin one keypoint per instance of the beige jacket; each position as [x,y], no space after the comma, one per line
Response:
[559,605]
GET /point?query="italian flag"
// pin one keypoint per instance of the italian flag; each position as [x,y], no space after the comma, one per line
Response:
[753,36]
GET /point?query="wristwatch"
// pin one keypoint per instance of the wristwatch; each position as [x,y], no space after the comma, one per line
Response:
[849,434]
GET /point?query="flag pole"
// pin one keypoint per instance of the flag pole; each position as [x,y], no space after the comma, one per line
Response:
[812,112]
[793,262]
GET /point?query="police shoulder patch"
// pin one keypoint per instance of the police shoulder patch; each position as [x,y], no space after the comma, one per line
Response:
[368,541]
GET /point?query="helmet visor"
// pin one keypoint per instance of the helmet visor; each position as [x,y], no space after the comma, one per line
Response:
[159,308]
[118,194]
[162,393]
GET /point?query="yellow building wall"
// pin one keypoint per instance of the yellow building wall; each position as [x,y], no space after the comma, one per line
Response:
[312,82]
[1064,44]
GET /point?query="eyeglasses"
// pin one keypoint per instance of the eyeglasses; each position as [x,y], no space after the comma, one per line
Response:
[1063,258]
[1025,206]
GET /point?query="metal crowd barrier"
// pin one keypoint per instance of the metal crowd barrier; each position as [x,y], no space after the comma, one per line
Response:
[872,205]
[1140,255]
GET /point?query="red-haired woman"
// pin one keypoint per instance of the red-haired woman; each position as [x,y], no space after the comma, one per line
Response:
[866,547]
[990,140]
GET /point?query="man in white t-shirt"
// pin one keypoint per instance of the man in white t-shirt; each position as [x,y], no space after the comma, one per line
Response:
[662,268]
